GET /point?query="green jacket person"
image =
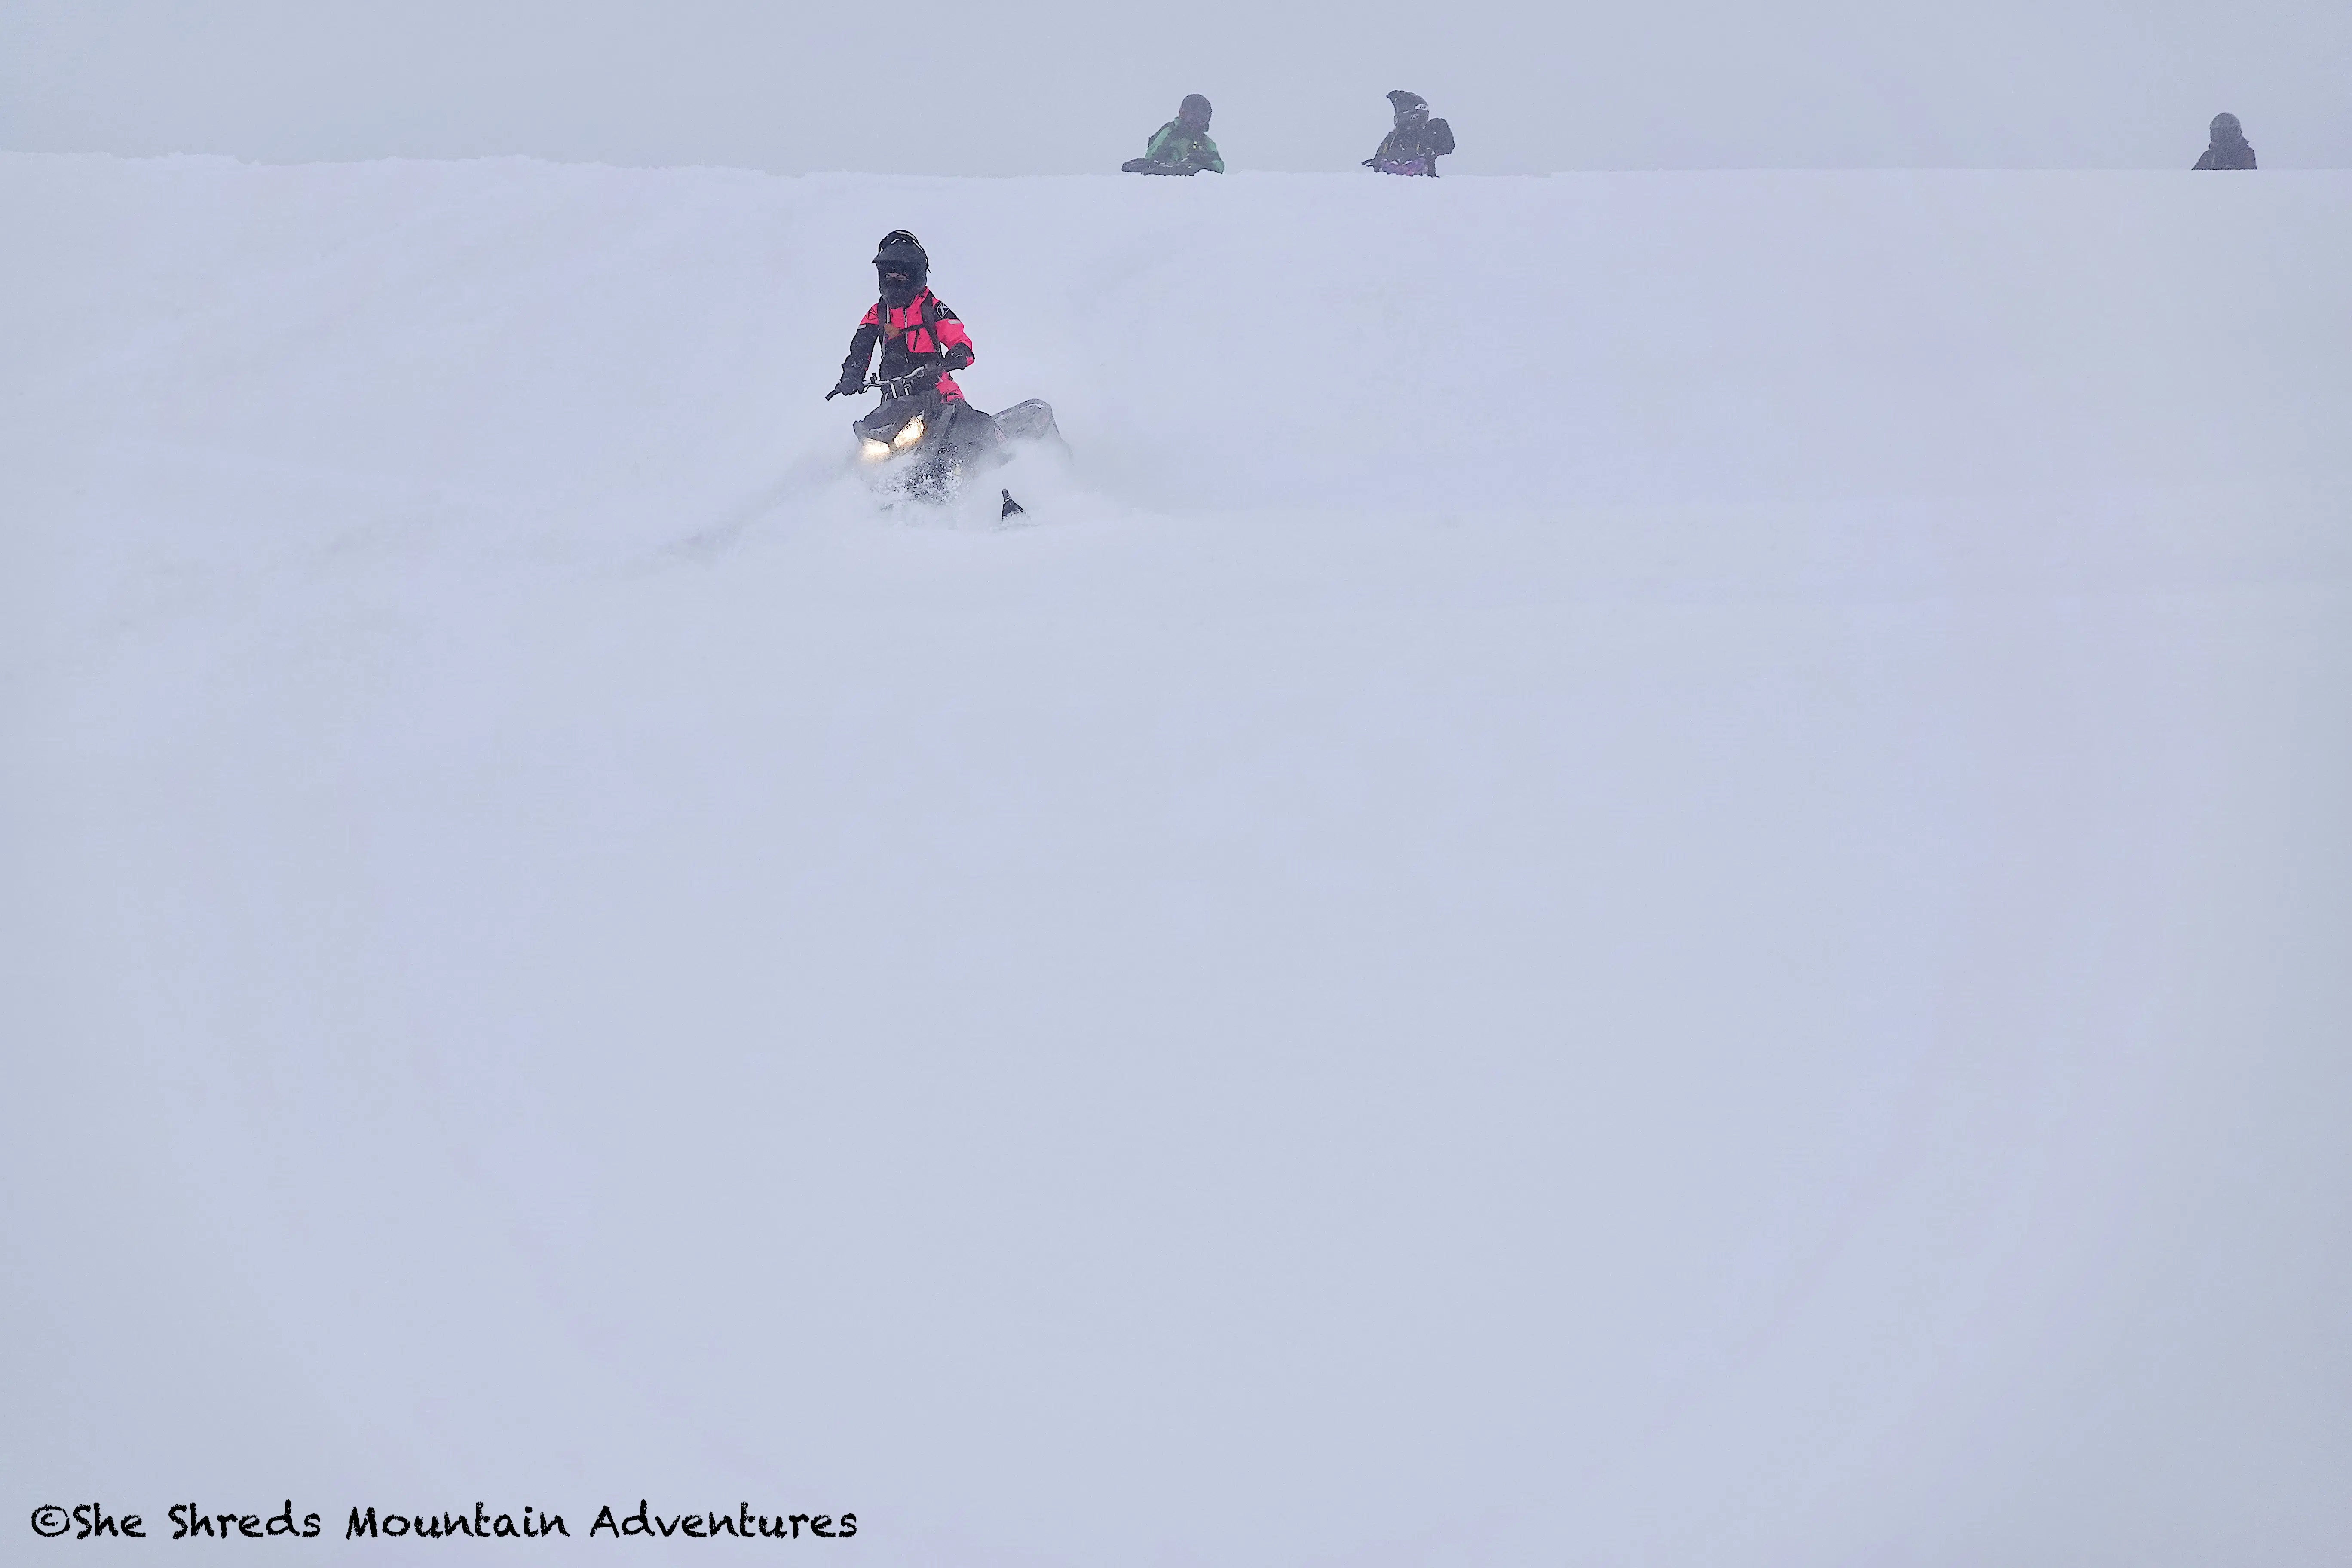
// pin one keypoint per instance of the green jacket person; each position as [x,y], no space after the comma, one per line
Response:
[1182,146]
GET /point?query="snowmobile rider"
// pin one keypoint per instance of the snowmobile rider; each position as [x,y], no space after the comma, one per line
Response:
[1416,143]
[920,338]
[2228,148]
[921,342]
[1182,146]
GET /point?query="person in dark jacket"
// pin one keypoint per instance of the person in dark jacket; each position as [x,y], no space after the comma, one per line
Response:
[1182,146]
[919,336]
[922,343]
[2229,149]
[1417,141]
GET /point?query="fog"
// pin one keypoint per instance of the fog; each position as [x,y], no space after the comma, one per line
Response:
[1057,87]
[1713,938]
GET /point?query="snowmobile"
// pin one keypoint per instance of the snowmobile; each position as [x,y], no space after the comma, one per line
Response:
[917,444]
[1147,166]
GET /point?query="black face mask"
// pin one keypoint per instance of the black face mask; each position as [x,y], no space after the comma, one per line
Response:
[899,286]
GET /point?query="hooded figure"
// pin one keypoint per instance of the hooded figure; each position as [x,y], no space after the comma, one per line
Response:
[2229,149]
[1416,143]
[919,336]
[1182,146]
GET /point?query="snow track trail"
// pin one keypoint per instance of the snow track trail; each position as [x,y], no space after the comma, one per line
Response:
[1638,868]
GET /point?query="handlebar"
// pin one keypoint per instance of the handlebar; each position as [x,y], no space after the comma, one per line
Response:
[908,386]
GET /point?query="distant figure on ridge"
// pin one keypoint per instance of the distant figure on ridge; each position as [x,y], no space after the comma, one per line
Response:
[2230,148]
[1182,146]
[1416,143]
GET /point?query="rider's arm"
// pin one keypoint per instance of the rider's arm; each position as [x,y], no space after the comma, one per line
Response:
[861,346]
[1205,155]
[955,344]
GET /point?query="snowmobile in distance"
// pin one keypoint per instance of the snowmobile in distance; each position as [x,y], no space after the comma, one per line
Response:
[1417,142]
[1181,147]
[920,446]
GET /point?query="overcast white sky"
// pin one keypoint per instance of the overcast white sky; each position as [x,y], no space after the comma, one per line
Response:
[1057,86]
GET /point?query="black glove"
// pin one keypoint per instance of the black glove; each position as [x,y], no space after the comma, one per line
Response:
[924,377]
[851,384]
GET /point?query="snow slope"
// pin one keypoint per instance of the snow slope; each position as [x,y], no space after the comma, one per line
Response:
[1641,869]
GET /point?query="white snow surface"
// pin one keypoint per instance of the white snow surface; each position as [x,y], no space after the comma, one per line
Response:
[1646,869]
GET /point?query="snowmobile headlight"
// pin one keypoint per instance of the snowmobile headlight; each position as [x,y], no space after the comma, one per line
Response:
[873,451]
[909,433]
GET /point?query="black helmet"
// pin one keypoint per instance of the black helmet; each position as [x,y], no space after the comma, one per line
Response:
[1406,102]
[902,254]
[1194,110]
[2225,128]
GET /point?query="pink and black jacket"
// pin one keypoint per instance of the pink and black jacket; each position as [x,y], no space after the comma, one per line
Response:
[921,331]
